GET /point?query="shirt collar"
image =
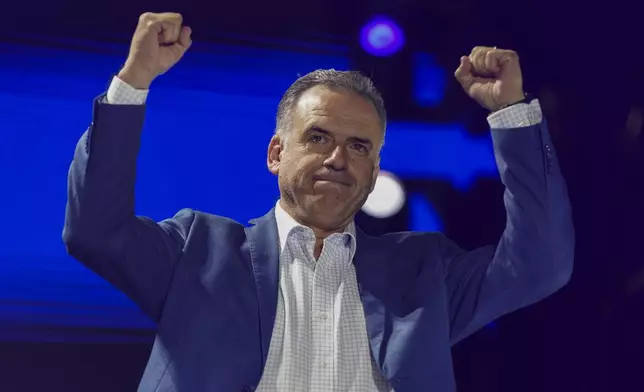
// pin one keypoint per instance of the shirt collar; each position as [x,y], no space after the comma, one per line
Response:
[286,223]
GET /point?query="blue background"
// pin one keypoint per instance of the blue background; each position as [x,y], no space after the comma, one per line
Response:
[204,147]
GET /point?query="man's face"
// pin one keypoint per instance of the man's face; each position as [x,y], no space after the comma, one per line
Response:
[328,161]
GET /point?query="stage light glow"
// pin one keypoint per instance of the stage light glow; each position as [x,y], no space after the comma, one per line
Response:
[422,215]
[382,37]
[430,80]
[387,198]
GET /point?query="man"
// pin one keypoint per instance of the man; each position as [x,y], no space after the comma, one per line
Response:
[303,300]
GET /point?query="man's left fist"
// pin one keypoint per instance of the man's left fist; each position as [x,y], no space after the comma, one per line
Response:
[492,77]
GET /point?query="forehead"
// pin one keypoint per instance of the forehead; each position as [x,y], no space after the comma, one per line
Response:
[336,110]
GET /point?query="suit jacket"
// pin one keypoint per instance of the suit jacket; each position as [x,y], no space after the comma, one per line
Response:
[211,284]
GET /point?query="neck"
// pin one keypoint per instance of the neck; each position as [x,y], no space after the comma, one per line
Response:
[320,232]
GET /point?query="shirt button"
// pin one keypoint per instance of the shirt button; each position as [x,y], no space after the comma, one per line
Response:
[324,365]
[322,316]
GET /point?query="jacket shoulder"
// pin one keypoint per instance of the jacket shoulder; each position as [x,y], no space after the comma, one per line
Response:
[407,250]
[203,222]
[409,240]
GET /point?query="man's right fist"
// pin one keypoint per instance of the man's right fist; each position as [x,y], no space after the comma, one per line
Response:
[158,43]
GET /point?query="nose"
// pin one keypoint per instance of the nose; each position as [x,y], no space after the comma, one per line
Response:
[337,160]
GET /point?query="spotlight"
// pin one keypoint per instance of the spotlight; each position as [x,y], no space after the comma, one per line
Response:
[381,37]
[387,198]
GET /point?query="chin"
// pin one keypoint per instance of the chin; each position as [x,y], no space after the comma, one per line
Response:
[329,223]
[331,212]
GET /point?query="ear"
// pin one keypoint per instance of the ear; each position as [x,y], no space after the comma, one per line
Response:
[274,155]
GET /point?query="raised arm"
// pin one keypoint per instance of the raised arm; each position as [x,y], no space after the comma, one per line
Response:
[534,256]
[135,254]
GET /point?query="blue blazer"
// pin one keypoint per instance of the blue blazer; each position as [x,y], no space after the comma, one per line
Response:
[211,284]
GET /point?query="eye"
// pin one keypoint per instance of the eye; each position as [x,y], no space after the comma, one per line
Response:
[361,148]
[317,139]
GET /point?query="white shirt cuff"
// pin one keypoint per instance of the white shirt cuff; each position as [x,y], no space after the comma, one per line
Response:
[121,93]
[516,116]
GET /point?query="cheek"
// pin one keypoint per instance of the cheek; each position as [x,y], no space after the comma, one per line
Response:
[365,176]
[300,167]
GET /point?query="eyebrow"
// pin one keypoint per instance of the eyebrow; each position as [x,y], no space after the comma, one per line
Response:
[353,139]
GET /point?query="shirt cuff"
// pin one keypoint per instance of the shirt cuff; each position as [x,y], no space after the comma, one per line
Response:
[121,93]
[516,116]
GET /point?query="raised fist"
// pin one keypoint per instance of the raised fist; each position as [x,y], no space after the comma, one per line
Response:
[492,77]
[159,41]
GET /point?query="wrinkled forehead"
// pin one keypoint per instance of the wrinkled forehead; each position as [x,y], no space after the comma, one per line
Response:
[336,110]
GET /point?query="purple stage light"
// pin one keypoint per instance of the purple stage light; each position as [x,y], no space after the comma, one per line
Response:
[381,37]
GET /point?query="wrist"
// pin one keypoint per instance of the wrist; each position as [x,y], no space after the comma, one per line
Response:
[138,80]
[523,98]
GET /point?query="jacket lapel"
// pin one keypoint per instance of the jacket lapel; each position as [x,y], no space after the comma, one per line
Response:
[368,263]
[264,253]
[371,273]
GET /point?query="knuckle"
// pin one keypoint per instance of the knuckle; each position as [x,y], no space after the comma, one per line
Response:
[146,17]
[150,23]
[481,49]
[173,17]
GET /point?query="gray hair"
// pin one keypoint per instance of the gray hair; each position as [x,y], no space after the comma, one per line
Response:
[348,80]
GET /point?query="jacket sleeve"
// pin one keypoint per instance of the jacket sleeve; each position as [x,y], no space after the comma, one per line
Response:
[135,254]
[534,257]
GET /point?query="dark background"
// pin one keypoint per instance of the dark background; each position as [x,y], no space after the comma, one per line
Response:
[585,63]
